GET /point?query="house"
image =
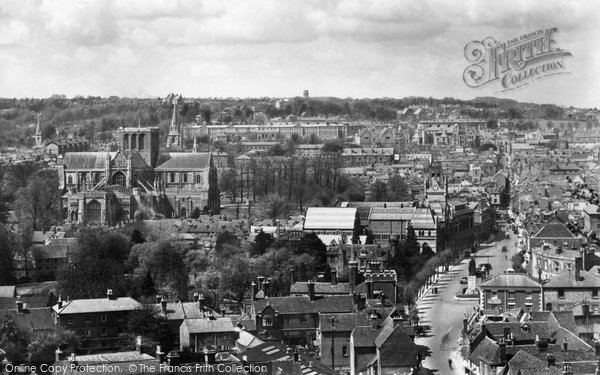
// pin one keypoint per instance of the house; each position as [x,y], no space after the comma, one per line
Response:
[52,259]
[333,335]
[385,349]
[208,334]
[33,320]
[509,291]
[98,320]
[128,362]
[555,233]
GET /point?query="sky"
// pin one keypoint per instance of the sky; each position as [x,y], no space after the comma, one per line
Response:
[278,48]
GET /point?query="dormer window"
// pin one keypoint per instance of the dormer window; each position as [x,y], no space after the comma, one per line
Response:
[267,321]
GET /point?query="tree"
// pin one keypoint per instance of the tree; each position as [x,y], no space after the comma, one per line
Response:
[273,206]
[379,191]
[357,229]
[148,289]
[492,124]
[196,212]
[13,340]
[261,242]
[9,243]
[39,201]
[397,189]
[42,344]
[147,321]
[517,263]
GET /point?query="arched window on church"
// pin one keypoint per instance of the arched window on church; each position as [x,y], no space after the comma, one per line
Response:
[133,141]
[141,142]
[125,141]
[94,211]
[119,178]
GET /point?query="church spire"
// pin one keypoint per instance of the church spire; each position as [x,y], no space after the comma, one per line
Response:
[174,138]
[38,132]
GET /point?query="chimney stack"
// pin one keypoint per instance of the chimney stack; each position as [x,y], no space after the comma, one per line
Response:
[266,287]
[567,370]
[551,359]
[57,354]
[201,302]
[502,350]
[158,298]
[506,333]
[564,345]
[19,304]
[195,296]
[578,268]
[333,276]
[465,325]
[369,289]
[109,294]
[60,302]
[253,290]
[353,268]
[163,305]
[138,344]
[311,290]
[374,320]
[260,282]
[159,353]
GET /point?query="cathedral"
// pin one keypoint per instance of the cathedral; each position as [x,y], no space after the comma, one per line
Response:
[139,180]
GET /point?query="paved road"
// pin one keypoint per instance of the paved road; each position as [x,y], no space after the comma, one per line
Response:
[444,315]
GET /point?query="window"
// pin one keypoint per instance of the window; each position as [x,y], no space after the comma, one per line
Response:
[172,177]
[87,319]
[511,295]
[303,318]
[594,293]
[528,295]
[70,181]
[268,321]
[198,178]
[94,211]
[103,317]
[71,320]
[494,294]
[141,142]
[185,177]
[344,351]
[88,332]
[119,179]
[561,294]
[103,331]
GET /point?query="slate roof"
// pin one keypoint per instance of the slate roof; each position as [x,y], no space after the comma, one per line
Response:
[185,310]
[94,305]
[510,280]
[34,319]
[183,161]
[85,160]
[58,247]
[119,362]
[396,348]
[539,329]
[302,304]
[329,218]
[586,280]
[487,350]
[344,322]
[206,325]
[321,288]
[554,229]
[364,336]
[523,360]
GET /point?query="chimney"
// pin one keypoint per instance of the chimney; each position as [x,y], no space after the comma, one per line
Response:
[195,296]
[353,274]
[551,359]
[163,306]
[506,333]
[502,350]
[567,370]
[57,354]
[369,289]
[19,306]
[333,276]
[158,298]
[159,353]
[138,344]
[209,355]
[311,290]
[253,290]
[564,345]
[260,282]
[585,309]
[173,359]
[465,325]
[578,268]
[374,320]
[60,302]
[201,302]
[266,285]
[109,294]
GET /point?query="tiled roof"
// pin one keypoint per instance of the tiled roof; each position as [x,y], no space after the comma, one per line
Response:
[523,360]
[344,322]
[85,160]
[510,280]
[302,304]
[206,325]
[520,331]
[586,280]
[487,350]
[396,348]
[34,319]
[554,229]
[79,306]
[183,161]
[364,336]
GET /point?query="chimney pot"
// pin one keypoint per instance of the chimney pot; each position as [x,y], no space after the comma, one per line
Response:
[163,305]
[19,306]
[109,293]
[333,276]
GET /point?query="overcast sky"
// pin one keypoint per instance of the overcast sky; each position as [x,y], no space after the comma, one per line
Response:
[281,47]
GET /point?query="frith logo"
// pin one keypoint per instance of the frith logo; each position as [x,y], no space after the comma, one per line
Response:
[514,63]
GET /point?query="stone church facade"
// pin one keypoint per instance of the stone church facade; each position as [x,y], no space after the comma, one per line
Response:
[138,179]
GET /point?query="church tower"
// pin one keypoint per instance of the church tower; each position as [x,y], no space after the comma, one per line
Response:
[175,137]
[38,133]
